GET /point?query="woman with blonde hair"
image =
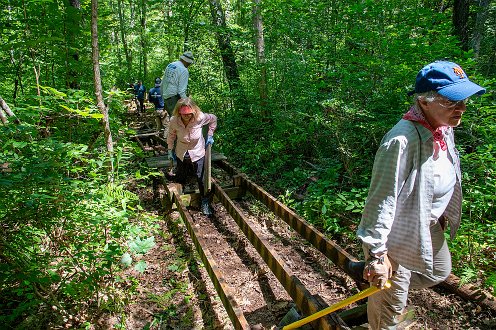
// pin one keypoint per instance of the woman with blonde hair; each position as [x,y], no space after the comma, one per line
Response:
[185,129]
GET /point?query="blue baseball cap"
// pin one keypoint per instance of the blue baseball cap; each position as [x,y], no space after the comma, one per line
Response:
[447,79]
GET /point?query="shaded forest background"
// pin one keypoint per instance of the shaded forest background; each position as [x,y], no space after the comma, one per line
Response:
[304,91]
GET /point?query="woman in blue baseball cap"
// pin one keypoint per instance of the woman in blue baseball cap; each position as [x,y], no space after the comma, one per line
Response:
[415,192]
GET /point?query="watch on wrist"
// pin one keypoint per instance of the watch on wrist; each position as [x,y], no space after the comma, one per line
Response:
[377,257]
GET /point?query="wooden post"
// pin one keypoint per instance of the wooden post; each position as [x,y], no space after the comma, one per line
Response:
[207,169]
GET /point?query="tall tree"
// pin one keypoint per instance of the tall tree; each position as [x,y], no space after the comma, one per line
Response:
[17,63]
[480,21]
[260,51]
[188,20]
[98,81]
[461,10]
[143,40]
[71,31]
[123,36]
[227,54]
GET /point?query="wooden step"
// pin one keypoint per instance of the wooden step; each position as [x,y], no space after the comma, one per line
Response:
[163,161]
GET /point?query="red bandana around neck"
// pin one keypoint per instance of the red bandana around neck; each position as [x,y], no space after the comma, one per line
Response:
[414,114]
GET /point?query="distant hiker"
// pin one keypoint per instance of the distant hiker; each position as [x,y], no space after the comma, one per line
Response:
[185,128]
[156,98]
[415,192]
[175,81]
[139,91]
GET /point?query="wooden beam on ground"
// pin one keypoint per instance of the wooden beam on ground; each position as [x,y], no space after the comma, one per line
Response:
[163,161]
[193,199]
[226,166]
[224,291]
[145,135]
[469,292]
[296,290]
[329,248]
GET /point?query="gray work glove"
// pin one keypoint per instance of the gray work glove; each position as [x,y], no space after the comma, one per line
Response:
[210,140]
[378,270]
[170,156]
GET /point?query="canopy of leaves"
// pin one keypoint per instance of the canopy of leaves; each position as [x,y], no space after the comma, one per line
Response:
[337,75]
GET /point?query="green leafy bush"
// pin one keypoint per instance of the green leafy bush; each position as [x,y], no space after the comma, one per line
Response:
[64,227]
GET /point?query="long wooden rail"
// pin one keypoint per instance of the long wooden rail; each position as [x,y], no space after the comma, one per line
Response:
[333,251]
[330,249]
[223,290]
[300,295]
[306,303]
[296,290]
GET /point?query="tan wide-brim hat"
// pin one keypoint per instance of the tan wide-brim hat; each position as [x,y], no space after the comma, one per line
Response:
[187,57]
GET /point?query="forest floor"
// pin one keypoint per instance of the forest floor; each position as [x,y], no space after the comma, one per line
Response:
[175,291]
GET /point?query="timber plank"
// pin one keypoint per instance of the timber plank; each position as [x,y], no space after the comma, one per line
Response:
[163,161]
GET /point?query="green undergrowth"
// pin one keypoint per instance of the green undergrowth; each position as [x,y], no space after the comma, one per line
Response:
[327,183]
[69,225]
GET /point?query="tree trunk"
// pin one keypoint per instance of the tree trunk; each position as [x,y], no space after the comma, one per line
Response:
[98,82]
[260,50]
[37,76]
[480,20]
[123,37]
[143,39]
[4,107]
[460,21]
[18,65]
[71,28]
[27,36]
[76,4]
[18,70]
[227,54]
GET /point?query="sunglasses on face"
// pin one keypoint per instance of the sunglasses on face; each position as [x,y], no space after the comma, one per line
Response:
[449,104]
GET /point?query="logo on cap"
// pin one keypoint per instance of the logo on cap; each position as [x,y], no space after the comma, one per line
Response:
[459,72]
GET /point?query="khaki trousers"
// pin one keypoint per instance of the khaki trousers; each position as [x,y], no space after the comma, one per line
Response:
[170,104]
[385,306]
[162,121]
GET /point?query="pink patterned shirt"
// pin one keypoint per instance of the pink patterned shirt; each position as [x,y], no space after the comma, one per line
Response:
[190,138]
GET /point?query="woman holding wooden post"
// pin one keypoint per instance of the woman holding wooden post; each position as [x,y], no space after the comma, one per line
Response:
[185,128]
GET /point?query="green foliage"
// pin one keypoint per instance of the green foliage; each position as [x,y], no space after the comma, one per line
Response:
[65,228]
[169,303]
[337,77]
[140,266]
[140,246]
[491,282]
[330,209]
[468,275]
[126,260]
[475,245]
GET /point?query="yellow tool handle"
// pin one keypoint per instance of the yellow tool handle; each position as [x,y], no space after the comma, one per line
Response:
[360,295]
